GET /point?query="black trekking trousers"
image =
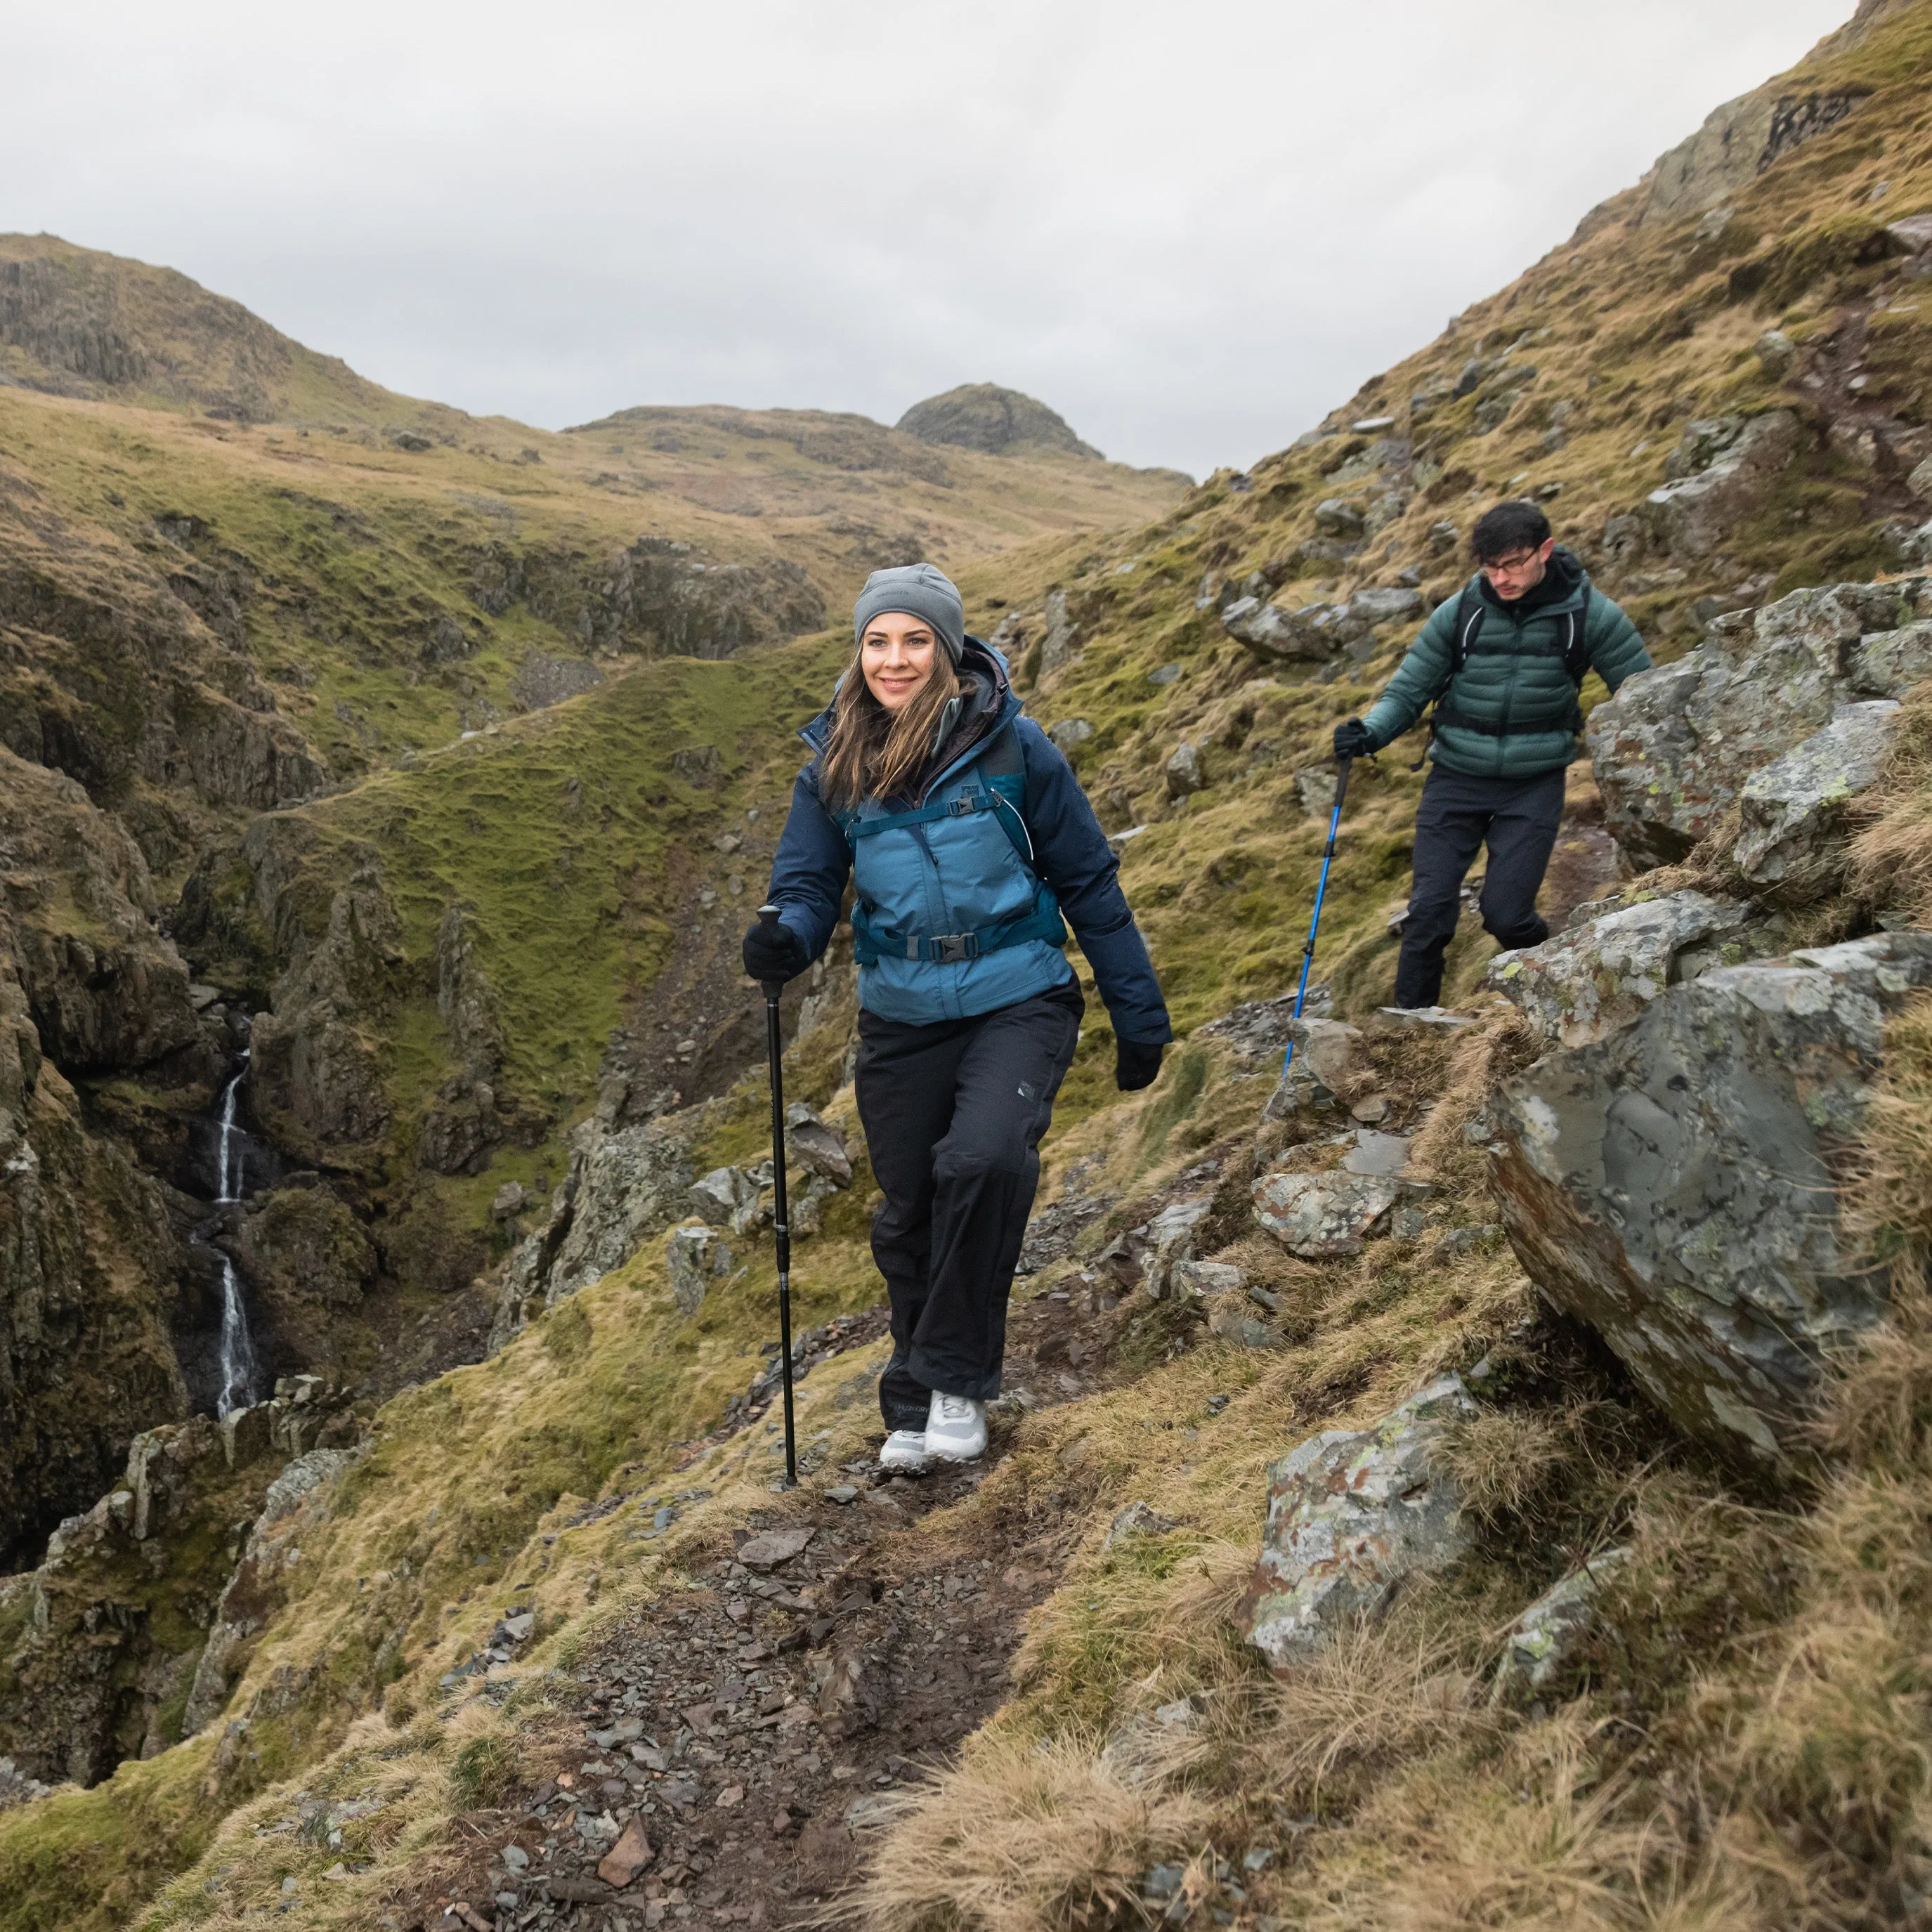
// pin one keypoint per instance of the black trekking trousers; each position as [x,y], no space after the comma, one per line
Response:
[1518,817]
[953,1114]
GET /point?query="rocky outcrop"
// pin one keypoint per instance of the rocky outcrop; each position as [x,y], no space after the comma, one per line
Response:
[1583,985]
[105,990]
[1319,633]
[1673,1185]
[89,1265]
[1675,748]
[102,1646]
[1321,1217]
[1352,1512]
[1794,813]
[694,1257]
[316,1073]
[982,416]
[459,1127]
[309,1264]
[1737,462]
[622,1188]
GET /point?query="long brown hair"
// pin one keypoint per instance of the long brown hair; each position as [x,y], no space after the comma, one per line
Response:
[874,753]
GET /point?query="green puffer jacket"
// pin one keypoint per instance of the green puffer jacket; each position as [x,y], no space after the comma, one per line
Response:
[1512,682]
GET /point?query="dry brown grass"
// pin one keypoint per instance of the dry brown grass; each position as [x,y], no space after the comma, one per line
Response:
[1891,856]
[1021,1837]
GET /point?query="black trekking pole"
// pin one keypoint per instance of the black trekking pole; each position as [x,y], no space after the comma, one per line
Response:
[1320,892]
[768,915]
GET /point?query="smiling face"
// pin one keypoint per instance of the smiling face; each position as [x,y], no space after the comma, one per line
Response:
[896,655]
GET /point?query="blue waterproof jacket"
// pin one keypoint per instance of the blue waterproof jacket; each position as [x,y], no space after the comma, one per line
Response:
[951,920]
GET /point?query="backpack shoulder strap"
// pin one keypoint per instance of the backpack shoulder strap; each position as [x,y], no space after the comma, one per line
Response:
[1576,654]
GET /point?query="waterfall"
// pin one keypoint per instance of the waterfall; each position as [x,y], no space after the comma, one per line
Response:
[238,1352]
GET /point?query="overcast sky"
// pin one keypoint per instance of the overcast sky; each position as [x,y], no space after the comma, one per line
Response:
[1191,228]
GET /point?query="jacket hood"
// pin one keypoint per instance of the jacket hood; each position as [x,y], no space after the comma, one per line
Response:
[1562,583]
[985,701]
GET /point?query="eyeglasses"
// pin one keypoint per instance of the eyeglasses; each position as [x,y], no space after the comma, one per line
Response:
[1510,565]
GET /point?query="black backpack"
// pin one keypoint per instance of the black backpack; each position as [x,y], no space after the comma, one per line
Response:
[1470,612]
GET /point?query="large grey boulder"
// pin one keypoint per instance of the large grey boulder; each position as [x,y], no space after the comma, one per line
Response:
[1674,748]
[1351,1514]
[1581,985]
[1303,636]
[1673,1185]
[1692,516]
[1794,812]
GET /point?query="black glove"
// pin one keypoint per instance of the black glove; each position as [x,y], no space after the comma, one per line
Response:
[1352,740]
[1136,1063]
[774,952]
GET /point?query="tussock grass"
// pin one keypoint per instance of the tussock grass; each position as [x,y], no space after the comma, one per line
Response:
[1023,1835]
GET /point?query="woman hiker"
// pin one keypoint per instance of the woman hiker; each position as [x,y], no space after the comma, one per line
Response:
[968,838]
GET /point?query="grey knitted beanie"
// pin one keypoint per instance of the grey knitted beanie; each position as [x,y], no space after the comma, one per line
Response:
[920,590]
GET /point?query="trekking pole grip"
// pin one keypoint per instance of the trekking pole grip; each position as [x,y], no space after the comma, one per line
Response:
[768,915]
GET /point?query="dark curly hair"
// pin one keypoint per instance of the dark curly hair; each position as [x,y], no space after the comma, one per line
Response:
[1515,525]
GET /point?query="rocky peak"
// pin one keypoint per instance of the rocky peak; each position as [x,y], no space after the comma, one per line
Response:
[983,415]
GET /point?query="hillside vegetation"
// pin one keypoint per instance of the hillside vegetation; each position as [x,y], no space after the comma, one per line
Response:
[511,959]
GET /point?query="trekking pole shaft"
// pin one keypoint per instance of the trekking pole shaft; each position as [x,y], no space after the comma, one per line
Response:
[780,1223]
[1342,766]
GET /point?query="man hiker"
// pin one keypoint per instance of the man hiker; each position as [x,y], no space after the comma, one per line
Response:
[1504,663]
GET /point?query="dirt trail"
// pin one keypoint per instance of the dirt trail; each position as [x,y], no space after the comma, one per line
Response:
[753,1729]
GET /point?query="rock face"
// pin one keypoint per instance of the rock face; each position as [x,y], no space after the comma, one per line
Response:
[1352,1512]
[105,990]
[982,416]
[1675,748]
[693,1257]
[1319,633]
[622,1188]
[1673,1185]
[103,1647]
[1581,985]
[1740,463]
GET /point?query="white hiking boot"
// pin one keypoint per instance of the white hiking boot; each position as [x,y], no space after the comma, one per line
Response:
[956,1429]
[904,1452]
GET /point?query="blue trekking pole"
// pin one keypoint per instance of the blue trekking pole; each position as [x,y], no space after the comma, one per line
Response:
[1320,892]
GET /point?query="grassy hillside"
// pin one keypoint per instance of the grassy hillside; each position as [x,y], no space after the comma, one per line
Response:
[1750,1757]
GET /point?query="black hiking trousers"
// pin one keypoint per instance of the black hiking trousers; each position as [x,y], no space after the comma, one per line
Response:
[953,1113]
[1518,817]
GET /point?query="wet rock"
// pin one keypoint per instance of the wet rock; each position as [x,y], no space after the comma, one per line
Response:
[1351,1514]
[1793,813]
[1580,985]
[1320,1216]
[1692,516]
[1674,747]
[1673,1185]
[817,1147]
[1540,1647]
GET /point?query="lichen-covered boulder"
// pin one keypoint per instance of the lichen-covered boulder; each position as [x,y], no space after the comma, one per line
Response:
[1304,636]
[1351,1514]
[1326,1059]
[1676,745]
[1170,1241]
[1542,1644]
[1793,813]
[1321,1216]
[1673,1185]
[1579,985]
[817,1147]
